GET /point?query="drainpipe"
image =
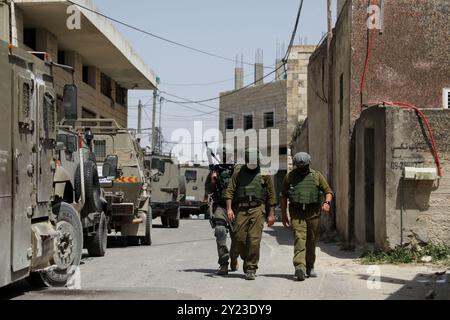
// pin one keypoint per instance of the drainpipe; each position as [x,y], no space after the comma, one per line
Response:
[13,24]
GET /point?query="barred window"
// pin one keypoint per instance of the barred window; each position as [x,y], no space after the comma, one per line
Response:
[100,150]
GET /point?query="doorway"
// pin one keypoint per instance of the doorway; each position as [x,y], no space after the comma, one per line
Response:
[369,178]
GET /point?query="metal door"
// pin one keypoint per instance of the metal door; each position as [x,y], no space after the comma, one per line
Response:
[24,163]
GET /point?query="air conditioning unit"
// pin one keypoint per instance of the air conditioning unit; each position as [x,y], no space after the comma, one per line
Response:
[446,98]
[410,173]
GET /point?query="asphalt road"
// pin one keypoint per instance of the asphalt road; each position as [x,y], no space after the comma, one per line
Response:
[181,264]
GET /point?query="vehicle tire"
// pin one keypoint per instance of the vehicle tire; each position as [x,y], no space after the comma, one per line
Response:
[174,223]
[97,244]
[69,248]
[132,241]
[93,201]
[164,221]
[147,239]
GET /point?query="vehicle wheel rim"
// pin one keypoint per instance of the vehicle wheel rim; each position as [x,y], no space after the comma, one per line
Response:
[64,247]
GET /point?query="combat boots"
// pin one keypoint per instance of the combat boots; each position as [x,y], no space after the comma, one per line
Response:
[299,275]
[223,270]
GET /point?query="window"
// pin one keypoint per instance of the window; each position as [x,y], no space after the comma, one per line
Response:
[446,98]
[191,175]
[269,120]
[229,123]
[29,38]
[89,76]
[341,98]
[283,151]
[61,57]
[158,164]
[49,116]
[100,150]
[106,85]
[121,96]
[248,122]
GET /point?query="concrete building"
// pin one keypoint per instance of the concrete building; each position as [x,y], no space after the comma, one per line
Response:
[105,66]
[409,62]
[280,104]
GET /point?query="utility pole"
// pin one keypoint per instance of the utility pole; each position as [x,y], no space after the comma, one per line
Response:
[330,27]
[139,124]
[159,128]
[154,137]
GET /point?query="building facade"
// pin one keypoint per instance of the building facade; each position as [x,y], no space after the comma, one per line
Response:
[405,58]
[279,105]
[104,65]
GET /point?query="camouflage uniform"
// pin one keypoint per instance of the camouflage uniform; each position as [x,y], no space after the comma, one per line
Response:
[220,218]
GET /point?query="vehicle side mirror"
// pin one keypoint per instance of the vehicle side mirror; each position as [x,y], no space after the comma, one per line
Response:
[110,166]
[70,104]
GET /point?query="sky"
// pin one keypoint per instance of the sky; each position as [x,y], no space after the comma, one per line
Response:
[226,28]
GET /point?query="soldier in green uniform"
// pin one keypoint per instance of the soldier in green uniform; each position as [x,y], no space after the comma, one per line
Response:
[250,189]
[308,193]
[216,185]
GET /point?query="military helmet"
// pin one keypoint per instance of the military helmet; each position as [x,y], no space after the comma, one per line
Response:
[302,159]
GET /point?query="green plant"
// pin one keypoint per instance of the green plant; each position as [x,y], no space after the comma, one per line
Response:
[403,255]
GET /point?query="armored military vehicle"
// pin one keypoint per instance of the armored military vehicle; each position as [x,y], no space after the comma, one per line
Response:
[123,178]
[194,200]
[166,188]
[40,234]
[69,184]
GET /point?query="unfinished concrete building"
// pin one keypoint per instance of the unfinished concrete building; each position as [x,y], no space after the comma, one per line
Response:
[279,104]
[396,52]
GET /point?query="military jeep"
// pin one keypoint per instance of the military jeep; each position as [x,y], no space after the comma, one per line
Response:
[125,182]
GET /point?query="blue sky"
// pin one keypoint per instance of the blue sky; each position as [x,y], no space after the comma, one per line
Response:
[224,27]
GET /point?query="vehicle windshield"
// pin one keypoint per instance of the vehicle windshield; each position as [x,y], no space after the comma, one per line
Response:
[191,175]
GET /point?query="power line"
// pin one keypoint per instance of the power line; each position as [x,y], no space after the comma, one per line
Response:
[157,36]
[283,65]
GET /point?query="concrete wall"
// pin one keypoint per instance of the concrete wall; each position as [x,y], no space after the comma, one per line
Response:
[405,211]
[297,86]
[373,118]
[4,22]
[341,57]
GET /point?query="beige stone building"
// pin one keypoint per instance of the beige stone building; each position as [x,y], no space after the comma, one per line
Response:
[104,65]
[279,104]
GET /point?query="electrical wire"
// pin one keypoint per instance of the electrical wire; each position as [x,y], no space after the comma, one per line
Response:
[157,36]
[430,131]
[284,61]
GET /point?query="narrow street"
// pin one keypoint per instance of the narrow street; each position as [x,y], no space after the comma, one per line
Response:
[181,264]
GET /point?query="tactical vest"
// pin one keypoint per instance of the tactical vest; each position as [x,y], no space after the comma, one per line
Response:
[306,191]
[253,191]
[222,185]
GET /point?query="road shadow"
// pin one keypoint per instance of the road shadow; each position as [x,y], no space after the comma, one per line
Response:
[336,250]
[212,273]
[281,234]
[278,276]
[431,286]
[17,289]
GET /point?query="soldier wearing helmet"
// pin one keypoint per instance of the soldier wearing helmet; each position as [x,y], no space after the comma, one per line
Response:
[216,184]
[308,193]
[250,189]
